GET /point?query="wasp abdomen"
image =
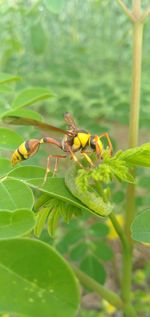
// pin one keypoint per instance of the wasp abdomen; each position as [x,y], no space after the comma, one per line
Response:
[25,150]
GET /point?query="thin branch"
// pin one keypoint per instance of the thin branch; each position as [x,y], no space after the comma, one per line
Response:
[108,295]
[145,14]
[126,10]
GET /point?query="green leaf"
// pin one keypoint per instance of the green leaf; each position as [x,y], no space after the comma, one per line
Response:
[139,156]
[140,227]
[9,139]
[31,95]
[5,166]
[28,173]
[38,38]
[55,6]
[5,78]
[91,199]
[53,221]
[99,230]
[33,176]
[93,268]
[53,209]
[78,252]
[14,194]
[41,220]
[10,116]
[72,237]
[36,281]
[103,251]
[15,224]
[121,171]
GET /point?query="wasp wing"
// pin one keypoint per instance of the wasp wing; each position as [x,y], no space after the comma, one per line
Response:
[70,121]
[16,120]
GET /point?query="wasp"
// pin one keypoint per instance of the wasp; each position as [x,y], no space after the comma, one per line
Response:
[74,140]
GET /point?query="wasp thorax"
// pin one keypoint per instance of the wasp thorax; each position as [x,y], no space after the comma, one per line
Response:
[25,150]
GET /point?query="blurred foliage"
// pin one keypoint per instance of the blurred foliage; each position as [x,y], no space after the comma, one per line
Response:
[83,54]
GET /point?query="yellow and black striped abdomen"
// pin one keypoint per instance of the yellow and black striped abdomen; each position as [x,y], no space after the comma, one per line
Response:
[25,150]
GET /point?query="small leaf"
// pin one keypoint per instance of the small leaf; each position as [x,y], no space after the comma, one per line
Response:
[121,171]
[41,220]
[103,251]
[5,78]
[32,95]
[36,281]
[139,156]
[15,224]
[78,252]
[99,230]
[140,227]
[93,268]
[9,139]
[15,194]
[72,237]
[55,6]
[53,221]
[38,38]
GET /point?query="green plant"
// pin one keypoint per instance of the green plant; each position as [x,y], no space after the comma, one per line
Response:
[88,192]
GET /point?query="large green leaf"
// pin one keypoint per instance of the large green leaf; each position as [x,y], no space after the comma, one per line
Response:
[14,194]
[15,224]
[55,187]
[140,227]
[5,78]
[28,173]
[31,95]
[9,139]
[93,268]
[36,281]
[18,114]
[55,6]
[5,166]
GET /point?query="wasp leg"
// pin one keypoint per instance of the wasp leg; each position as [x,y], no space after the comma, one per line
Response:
[55,167]
[98,148]
[73,156]
[87,158]
[106,135]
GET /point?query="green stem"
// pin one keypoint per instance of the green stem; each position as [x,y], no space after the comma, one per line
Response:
[126,10]
[133,141]
[126,258]
[145,14]
[108,295]
[126,268]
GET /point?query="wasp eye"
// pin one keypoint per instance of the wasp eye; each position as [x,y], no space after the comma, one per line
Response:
[92,142]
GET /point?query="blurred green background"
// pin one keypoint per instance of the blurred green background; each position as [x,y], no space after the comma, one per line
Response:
[84,55]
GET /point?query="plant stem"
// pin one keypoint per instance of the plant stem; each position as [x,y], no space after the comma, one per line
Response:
[135,107]
[126,256]
[145,14]
[133,140]
[119,231]
[126,10]
[126,268]
[108,295]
